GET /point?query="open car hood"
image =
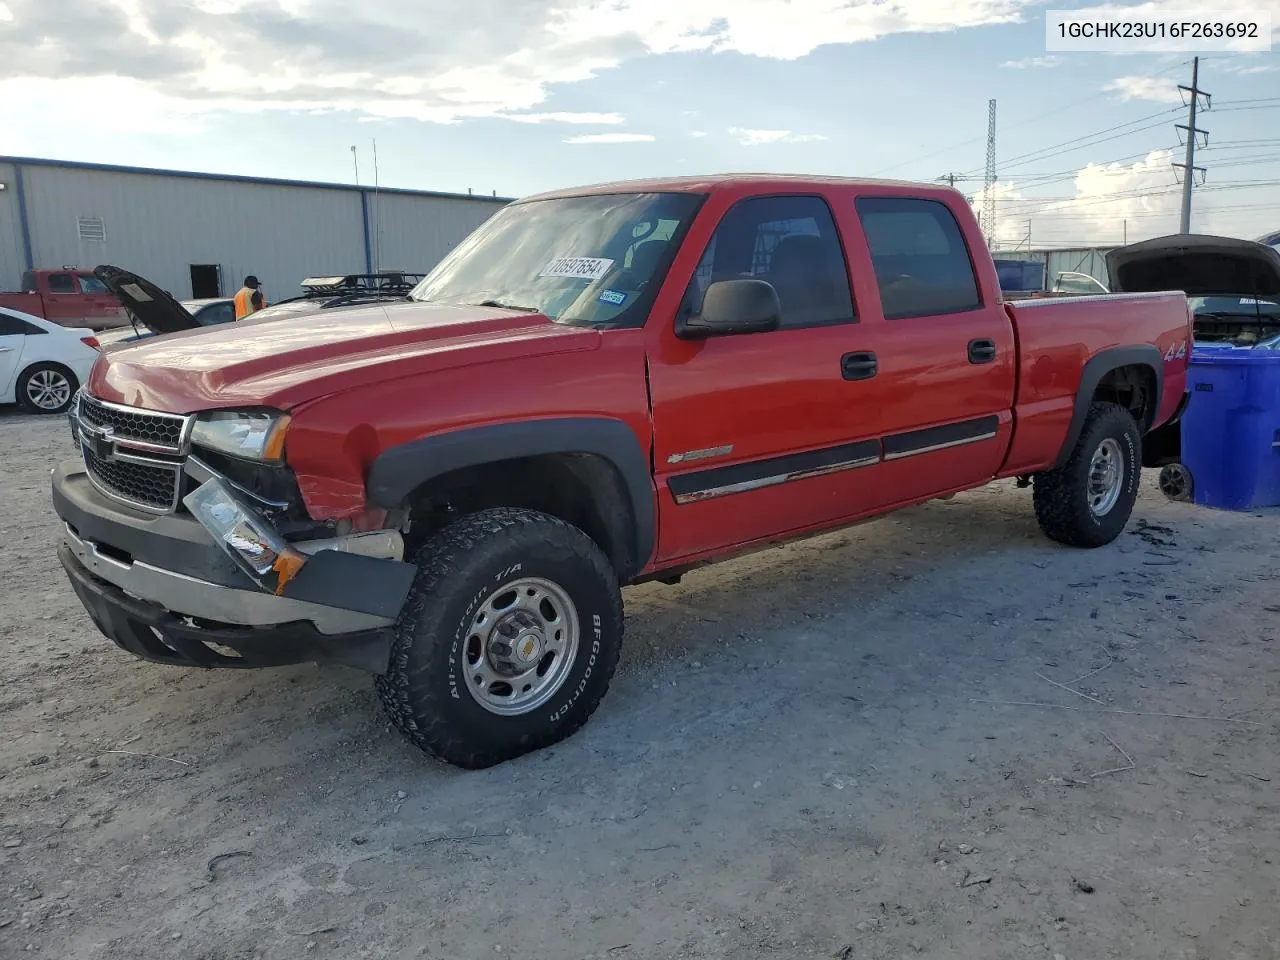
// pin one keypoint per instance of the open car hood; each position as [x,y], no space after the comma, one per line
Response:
[1197,264]
[149,305]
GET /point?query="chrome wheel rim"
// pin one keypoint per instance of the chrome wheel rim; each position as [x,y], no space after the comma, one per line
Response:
[1106,477]
[521,646]
[48,389]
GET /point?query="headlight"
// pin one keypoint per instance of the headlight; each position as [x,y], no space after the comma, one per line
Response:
[252,436]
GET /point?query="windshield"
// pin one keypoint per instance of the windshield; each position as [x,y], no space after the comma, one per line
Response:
[583,260]
[91,284]
[1235,306]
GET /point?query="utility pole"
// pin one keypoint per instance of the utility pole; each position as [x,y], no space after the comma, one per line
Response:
[989,181]
[1189,167]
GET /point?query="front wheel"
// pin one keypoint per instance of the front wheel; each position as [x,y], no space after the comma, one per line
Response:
[1088,501]
[508,640]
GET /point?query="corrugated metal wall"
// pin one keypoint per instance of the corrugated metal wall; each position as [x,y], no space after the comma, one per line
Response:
[11,258]
[405,231]
[159,225]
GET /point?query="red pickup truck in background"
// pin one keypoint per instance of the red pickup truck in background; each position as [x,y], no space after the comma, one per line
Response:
[598,387]
[69,297]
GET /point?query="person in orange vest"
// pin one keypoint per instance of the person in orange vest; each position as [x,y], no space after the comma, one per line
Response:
[249,298]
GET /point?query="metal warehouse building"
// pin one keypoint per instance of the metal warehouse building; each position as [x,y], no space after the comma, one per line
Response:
[198,235]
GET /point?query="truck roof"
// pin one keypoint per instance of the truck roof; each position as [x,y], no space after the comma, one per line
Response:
[710,183]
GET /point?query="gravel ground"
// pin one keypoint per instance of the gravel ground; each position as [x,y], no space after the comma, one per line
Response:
[792,762]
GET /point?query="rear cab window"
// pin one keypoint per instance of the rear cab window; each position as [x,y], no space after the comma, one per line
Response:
[921,261]
[789,241]
[62,283]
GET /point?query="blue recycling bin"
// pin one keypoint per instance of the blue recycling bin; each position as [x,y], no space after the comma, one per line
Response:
[1231,428]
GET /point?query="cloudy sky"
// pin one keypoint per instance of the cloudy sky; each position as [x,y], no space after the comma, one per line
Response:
[522,95]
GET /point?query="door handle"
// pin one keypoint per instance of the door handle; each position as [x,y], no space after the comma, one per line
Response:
[861,365]
[982,351]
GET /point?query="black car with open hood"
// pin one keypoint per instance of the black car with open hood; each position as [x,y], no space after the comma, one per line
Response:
[149,306]
[1232,286]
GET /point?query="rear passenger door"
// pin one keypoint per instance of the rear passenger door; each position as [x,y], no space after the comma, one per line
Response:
[944,345]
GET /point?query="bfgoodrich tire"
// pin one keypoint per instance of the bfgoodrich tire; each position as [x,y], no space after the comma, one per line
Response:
[1088,501]
[508,640]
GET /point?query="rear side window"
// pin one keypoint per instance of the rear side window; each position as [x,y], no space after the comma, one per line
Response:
[61,283]
[920,258]
[11,326]
[791,242]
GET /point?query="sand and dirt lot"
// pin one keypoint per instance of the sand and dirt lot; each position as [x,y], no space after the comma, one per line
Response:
[790,763]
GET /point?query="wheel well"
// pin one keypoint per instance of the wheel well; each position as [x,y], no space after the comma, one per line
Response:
[585,490]
[1132,387]
[48,363]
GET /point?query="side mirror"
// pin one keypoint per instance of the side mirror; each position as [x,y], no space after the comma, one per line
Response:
[734,306]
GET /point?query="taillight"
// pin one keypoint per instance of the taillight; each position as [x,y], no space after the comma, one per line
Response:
[91,342]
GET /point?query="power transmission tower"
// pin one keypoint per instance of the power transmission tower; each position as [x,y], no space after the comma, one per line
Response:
[989,182]
[1189,168]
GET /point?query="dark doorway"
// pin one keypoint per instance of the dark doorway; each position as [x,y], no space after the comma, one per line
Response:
[206,281]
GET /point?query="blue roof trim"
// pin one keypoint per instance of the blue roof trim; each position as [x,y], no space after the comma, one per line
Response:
[23,222]
[237,178]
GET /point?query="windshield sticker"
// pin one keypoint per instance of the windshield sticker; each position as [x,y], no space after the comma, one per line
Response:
[134,291]
[616,297]
[582,268]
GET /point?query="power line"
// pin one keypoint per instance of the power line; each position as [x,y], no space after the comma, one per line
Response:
[1043,153]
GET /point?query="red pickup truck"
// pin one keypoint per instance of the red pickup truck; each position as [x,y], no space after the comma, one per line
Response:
[598,387]
[69,297]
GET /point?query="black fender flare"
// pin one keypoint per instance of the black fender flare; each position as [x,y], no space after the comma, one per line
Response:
[1097,367]
[398,471]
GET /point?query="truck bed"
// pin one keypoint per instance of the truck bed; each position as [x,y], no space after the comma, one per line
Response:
[1057,337]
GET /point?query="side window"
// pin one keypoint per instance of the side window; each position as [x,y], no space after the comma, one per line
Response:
[920,258]
[61,283]
[792,243]
[11,326]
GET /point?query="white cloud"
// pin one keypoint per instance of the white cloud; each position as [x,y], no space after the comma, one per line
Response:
[491,58]
[613,138]
[697,133]
[1246,66]
[583,118]
[752,138]
[1114,202]
[1154,89]
[1030,62]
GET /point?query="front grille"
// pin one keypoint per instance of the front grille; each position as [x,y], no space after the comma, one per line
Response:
[145,426]
[152,484]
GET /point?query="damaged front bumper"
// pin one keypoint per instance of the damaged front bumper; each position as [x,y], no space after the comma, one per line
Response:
[168,589]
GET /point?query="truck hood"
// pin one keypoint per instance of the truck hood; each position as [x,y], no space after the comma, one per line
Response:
[285,362]
[150,306]
[1197,264]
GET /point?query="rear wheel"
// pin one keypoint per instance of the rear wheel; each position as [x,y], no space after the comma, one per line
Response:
[1088,501]
[508,640]
[1175,482]
[46,388]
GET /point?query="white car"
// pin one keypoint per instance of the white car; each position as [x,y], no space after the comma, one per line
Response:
[42,364]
